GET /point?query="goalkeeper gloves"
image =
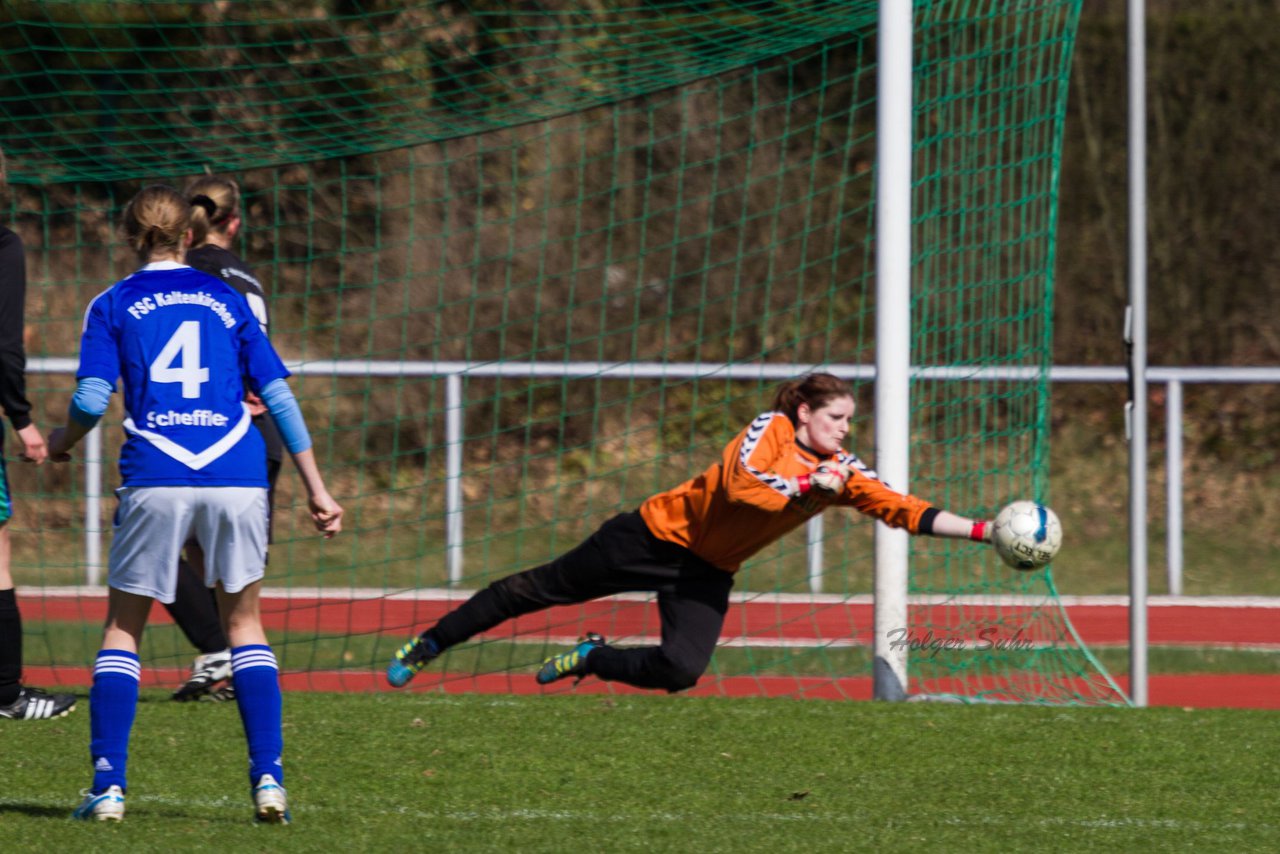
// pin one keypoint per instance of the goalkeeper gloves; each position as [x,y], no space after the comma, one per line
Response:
[827,480]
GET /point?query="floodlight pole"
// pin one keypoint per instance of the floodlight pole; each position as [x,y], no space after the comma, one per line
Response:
[893,336]
[1136,340]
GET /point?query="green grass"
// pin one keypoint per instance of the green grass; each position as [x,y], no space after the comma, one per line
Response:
[654,773]
[1166,659]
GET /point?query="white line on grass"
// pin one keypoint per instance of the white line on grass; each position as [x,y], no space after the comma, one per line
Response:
[227,803]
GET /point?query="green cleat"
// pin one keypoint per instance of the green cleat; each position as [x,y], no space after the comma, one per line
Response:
[571,663]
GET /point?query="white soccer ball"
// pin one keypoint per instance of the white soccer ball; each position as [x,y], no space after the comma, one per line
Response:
[1026,535]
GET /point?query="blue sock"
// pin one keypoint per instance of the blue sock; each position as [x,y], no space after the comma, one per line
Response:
[256,677]
[113,702]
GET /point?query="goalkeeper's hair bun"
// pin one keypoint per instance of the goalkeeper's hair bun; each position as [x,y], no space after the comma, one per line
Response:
[816,390]
[214,201]
[156,219]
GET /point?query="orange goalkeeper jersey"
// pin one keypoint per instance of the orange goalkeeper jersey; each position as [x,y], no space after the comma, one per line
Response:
[749,499]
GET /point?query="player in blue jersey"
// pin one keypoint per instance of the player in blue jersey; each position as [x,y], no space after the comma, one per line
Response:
[184,345]
[215,222]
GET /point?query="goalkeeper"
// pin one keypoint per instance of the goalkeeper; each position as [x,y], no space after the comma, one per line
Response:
[686,544]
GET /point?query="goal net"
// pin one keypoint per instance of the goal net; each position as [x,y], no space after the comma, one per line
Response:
[532,265]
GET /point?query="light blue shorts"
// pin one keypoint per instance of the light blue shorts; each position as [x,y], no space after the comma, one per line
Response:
[154,522]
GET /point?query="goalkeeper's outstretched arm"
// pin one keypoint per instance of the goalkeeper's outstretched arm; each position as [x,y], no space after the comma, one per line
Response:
[951,526]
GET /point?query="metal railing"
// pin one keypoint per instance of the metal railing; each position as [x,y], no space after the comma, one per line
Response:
[453,372]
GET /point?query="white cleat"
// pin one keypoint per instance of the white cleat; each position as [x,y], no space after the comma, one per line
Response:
[270,806]
[107,806]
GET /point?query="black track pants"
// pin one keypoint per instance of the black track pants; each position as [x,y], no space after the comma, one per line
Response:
[623,556]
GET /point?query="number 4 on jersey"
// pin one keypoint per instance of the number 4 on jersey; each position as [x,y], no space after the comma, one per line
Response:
[184,348]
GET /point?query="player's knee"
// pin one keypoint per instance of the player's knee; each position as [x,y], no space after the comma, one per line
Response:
[678,675]
[684,680]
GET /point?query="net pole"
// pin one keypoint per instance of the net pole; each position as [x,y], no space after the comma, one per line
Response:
[93,507]
[814,533]
[893,335]
[1137,354]
[1173,484]
[453,477]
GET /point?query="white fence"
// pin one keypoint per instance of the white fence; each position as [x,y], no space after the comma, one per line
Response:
[453,373]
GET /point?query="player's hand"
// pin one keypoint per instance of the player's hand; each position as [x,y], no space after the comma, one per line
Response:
[58,451]
[255,404]
[826,481]
[326,514]
[34,449]
[830,477]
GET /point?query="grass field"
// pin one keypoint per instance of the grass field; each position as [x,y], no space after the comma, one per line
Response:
[430,772]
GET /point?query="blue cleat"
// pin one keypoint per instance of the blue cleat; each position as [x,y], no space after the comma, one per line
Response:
[571,663]
[409,661]
[106,806]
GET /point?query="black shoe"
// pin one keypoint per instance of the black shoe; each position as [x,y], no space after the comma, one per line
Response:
[206,672]
[224,694]
[36,705]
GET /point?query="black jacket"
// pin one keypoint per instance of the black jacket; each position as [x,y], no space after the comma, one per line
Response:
[226,265]
[13,356]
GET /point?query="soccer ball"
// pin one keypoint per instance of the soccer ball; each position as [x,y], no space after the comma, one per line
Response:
[1026,535]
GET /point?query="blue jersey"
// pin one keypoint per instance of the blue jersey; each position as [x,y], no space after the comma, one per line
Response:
[184,344]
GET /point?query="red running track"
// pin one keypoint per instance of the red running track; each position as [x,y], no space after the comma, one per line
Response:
[759,620]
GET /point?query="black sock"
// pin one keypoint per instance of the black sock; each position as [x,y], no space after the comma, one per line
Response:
[10,647]
[433,642]
[195,610]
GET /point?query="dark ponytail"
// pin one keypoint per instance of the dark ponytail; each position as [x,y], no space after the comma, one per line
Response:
[817,390]
[214,201]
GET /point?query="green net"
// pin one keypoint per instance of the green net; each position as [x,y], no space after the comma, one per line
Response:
[532,266]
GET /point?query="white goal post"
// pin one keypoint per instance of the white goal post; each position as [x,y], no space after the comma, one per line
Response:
[893,334]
